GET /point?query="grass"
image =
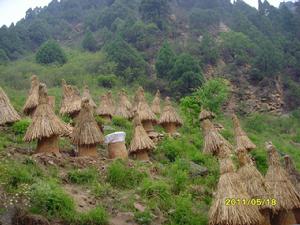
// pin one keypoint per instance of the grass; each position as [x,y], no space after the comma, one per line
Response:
[83,176]
[96,216]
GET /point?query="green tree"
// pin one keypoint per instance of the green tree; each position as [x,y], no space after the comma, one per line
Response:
[165,61]
[155,11]
[186,74]
[3,57]
[130,64]
[51,52]
[89,42]
[209,50]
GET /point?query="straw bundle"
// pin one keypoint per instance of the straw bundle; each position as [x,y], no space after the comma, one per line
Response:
[86,131]
[252,178]
[44,122]
[123,109]
[140,144]
[169,119]
[231,187]
[33,97]
[137,98]
[155,107]
[71,101]
[293,173]
[111,101]
[105,109]
[242,140]
[214,143]
[86,94]
[206,115]
[279,185]
[7,112]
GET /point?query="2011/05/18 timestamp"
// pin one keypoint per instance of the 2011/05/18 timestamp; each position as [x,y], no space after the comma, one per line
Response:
[250,202]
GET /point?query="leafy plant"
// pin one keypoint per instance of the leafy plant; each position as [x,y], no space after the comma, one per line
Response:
[84,176]
[20,127]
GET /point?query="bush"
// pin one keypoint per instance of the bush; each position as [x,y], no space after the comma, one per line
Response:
[179,175]
[20,127]
[50,200]
[185,214]
[107,81]
[121,176]
[158,192]
[143,218]
[84,176]
[97,216]
[50,52]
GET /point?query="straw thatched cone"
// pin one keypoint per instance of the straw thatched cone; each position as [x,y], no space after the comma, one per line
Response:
[116,145]
[105,109]
[294,176]
[280,188]
[155,107]
[71,100]
[87,134]
[206,115]
[33,97]
[46,127]
[86,94]
[170,119]
[7,112]
[254,182]
[123,109]
[140,144]
[231,187]
[242,140]
[145,113]
[214,143]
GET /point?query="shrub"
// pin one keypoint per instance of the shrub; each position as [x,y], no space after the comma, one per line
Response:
[48,199]
[179,175]
[143,218]
[121,176]
[185,214]
[107,81]
[20,127]
[97,216]
[84,176]
[158,192]
[50,52]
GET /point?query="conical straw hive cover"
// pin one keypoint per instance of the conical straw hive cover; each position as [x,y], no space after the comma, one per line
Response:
[105,107]
[169,114]
[231,187]
[242,140]
[33,96]
[86,94]
[156,103]
[44,122]
[86,131]
[123,109]
[140,140]
[279,185]
[71,100]
[7,112]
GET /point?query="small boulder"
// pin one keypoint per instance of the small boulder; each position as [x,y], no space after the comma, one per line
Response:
[197,170]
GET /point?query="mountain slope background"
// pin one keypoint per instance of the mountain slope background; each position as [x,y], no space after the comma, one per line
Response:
[172,45]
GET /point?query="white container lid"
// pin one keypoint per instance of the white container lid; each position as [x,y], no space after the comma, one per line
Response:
[115,137]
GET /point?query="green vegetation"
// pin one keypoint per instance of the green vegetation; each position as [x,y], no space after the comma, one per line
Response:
[51,52]
[89,42]
[84,176]
[96,216]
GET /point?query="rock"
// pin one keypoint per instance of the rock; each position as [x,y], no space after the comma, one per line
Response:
[24,218]
[139,207]
[197,170]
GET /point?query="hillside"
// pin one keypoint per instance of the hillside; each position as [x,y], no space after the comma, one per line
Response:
[153,40]
[205,54]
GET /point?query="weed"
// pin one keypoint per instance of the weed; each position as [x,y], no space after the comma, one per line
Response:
[83,176]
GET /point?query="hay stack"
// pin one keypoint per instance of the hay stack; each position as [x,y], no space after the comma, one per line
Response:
[123,109]
[33,97]
[46,127]
[71,100]
[86,94]
[111,102]
[155,107]
[7,112]
[231,187]
[86,134]
[291,170]
[213,141]
[145,113]
[170,119]
[105,109]
[136,99]
[242,140]
[206,115]
[140,144]
[281,188]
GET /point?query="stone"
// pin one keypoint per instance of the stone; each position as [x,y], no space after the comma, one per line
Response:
[197,170]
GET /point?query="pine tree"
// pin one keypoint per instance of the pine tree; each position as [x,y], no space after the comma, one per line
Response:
[165,61]
[89,42]
[51,52]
